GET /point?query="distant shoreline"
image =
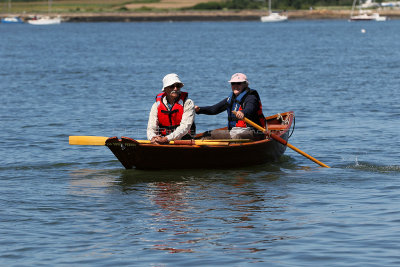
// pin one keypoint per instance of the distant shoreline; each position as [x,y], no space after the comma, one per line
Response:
[244,15]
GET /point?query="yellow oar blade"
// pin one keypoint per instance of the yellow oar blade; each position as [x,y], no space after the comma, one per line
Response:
[88,140]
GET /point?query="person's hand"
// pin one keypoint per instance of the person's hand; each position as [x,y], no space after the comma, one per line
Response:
[239,115]
[154,139]
[159,140]
[162,140]
[196,108]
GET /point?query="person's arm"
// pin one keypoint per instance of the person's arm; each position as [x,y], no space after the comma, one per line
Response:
[152,125]
[250,106]
[186,122]
[215,109]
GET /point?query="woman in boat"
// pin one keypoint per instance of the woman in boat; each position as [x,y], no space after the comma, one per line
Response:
[172,115]
[246,102]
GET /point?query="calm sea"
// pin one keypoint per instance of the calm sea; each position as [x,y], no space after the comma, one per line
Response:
[64,205]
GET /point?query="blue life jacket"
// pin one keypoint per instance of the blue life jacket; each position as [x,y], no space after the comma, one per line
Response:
[236,104]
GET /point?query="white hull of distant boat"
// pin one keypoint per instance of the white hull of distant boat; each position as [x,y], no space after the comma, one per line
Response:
[368,17]
[11,20]
[274,17]
[45,21]
[364,15]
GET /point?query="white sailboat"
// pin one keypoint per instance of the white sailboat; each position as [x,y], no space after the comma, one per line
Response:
[364,15]
[273,17]
[45,20]
[11,20]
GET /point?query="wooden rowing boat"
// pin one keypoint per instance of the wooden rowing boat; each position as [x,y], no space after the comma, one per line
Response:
[189,154]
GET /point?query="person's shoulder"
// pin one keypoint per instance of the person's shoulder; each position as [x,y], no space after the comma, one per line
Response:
[251,96]
[155,104]
[189,102]
[253,91]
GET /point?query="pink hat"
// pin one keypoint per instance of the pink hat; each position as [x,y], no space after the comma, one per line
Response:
[238,77]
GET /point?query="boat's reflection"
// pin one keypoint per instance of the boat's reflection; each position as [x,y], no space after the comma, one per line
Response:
[209,208]
[189,209]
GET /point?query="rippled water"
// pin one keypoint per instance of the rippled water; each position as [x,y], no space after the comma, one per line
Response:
[63,205]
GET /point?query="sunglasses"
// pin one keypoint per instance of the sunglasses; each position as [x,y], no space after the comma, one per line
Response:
[177,85]
[237,83]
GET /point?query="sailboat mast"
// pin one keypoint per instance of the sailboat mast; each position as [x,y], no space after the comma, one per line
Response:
[269,6]
[352,8]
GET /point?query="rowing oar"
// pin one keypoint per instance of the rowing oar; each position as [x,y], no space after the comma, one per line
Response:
[101,141]
[284,142]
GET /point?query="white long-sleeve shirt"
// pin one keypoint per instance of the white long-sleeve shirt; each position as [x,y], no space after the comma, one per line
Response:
[183,128]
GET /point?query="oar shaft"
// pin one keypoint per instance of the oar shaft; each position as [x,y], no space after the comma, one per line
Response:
[284,142]
[191,142]
[196,142]
[101,141]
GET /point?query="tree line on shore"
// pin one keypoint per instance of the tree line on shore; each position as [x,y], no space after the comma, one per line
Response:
[217,5]
[259,4]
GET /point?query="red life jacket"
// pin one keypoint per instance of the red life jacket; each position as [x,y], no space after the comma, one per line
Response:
[169,120]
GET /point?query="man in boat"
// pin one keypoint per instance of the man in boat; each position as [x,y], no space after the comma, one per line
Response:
[246,102]
[172,115]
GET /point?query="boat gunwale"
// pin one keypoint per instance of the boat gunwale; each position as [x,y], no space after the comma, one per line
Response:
[251,143]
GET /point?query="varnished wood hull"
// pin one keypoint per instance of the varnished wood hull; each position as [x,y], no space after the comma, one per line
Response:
[148,156]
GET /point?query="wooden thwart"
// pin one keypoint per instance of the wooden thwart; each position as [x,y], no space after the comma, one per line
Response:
[277,127]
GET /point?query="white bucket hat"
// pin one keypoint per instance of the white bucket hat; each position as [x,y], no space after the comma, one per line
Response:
[171,79]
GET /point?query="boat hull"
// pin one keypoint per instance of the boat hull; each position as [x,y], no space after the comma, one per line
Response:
[12,20]
[133,154]
[45,21]
[273,17]
[367,17]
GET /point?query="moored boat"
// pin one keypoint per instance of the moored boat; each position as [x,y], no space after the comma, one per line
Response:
[187,154]
[45,21]
[364,15]
[273,17]
[368,17]
[11,20]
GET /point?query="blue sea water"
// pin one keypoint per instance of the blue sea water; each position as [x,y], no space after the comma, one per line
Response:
[64,205]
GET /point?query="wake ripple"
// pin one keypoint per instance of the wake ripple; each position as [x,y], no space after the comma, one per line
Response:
[372,167]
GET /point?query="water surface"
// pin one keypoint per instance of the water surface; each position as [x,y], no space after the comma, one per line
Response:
[62,205]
